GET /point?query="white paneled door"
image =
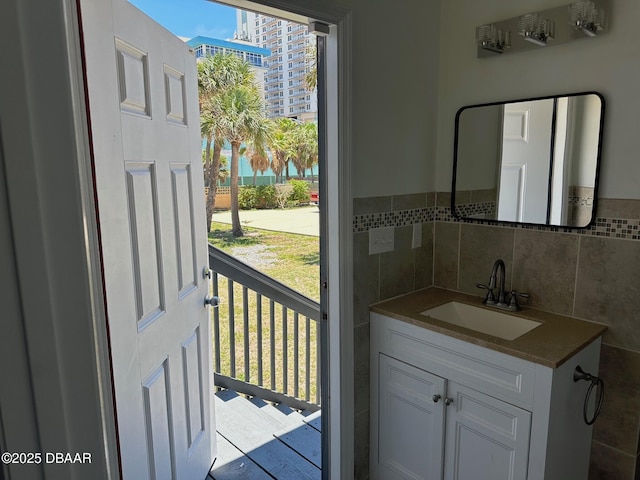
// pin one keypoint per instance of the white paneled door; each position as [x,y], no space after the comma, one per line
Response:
[526,146]
[143,112]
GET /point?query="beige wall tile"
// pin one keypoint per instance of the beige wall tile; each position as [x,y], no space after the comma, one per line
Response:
[487,195]
[362,206]
[610,464]
[608,288]
[581,215]
[618,208]
[544,266]
[424,258]
[361,367]
[397,267]
[366,278]
[409,201]
[443,199]
[361,454]
[619,420]
[445,256]
[480,247]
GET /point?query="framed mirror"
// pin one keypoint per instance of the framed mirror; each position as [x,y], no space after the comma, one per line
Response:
[532,161]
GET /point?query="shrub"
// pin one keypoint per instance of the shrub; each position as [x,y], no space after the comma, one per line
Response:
[283,195]
[265,196]
[247,197]
[295,192]
[300,193]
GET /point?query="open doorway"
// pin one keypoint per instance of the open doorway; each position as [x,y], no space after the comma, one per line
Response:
[142,204]
[261,168]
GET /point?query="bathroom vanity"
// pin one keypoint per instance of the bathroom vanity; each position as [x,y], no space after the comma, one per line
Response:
[452,402]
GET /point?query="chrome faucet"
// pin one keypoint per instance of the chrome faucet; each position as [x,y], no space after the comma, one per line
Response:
[498,272]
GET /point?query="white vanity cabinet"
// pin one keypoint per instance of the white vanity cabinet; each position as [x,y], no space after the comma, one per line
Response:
[483,434]
[443,408]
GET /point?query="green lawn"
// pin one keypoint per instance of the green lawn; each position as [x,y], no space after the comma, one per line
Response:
[293,260]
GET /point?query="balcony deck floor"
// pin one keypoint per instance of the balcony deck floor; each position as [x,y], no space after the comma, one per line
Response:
[257,440]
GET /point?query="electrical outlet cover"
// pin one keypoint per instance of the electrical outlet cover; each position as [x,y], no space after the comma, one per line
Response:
[416,240]
[381,240]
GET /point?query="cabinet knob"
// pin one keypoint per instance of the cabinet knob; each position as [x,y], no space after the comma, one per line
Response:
[448,401]
[436,398]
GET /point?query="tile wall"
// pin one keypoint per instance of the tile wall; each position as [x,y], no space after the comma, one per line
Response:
[381,276]
[592,274]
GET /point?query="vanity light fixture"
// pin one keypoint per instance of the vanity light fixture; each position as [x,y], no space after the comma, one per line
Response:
[550,27]
[493,39]
[536,29]
[586,17]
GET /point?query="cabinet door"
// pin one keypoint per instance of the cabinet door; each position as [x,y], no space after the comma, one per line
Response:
[411,423]
[486,439]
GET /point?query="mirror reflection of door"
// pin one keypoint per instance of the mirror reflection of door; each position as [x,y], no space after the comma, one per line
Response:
[524,175]
[542,167]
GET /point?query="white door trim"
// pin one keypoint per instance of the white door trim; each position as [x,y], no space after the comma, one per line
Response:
[50,195]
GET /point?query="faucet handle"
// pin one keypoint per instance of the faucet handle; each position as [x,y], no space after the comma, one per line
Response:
[489,299]
[513,303]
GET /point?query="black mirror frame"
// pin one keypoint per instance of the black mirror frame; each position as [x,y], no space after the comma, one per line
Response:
[512,223]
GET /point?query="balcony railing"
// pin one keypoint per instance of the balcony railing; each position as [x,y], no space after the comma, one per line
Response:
[266,335]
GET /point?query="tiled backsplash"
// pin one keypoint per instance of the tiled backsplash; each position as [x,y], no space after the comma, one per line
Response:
[623,228]
[591,273]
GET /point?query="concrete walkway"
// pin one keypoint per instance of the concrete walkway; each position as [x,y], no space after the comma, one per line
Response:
[301,220]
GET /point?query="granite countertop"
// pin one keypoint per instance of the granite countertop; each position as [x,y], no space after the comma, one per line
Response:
[550,344]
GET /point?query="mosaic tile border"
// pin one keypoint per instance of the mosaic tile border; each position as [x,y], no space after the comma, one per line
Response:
[476,209]
[399,218]
[615,228]
[580,201]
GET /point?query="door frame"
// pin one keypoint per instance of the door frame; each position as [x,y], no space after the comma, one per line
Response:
[51,214]
[56,247]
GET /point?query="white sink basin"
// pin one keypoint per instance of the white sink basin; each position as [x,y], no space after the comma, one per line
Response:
[491,322]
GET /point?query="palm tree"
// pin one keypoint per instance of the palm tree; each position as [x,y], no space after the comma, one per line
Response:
[216,75]
[258,159]
[280,144]
[304,147]
[241,119]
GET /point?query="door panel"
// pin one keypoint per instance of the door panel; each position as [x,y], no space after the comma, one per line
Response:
[411,423]
[486,438]
[511,192]
[182,190]
[193,393]
[145,242]
[148,172]
[157,414]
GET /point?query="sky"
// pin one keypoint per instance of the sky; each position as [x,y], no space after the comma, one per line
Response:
[190,18]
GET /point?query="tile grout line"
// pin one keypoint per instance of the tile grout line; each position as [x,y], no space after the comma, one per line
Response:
[575,283]
[458,258]
[513,261]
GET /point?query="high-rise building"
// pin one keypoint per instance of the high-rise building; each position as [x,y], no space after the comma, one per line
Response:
[290,43]
[254,55]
